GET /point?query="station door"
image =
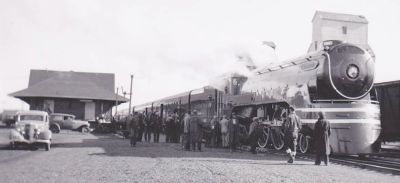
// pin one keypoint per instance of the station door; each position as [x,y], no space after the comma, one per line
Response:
[90,110]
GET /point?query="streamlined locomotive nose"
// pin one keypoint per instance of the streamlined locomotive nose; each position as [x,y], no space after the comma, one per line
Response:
[351,70]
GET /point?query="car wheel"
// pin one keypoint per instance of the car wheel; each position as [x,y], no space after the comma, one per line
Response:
[47,147]
[85,130]
[54,129]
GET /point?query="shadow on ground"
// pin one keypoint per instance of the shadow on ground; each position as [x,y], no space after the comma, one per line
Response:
[114,146]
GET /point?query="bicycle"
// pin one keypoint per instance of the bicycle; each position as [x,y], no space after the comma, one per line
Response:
[274,132]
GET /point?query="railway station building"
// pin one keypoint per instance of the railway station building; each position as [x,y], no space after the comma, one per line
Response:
[336,26]
[85,95]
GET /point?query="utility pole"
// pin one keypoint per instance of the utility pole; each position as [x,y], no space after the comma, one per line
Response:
[130,100]
[116,105]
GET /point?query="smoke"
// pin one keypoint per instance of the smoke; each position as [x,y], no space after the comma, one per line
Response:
[201,59]
[241,58]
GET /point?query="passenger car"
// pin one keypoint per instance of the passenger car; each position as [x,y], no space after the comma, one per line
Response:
[60,121]
[31,127]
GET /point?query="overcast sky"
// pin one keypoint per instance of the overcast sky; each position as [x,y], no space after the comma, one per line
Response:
[171,46]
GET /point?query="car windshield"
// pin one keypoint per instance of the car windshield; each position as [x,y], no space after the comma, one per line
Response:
[31,118]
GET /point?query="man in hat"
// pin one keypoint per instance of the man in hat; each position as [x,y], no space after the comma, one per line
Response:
[141,128]
[322,131]
[133,129]
[292,126]
[253,134]
[195,135]
[233,127]
[156,127]
[169,129]
[177,129]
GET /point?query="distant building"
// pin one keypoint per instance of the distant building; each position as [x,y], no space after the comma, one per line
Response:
[85,95]
[336,26]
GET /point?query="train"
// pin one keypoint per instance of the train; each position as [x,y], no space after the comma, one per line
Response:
[337,79]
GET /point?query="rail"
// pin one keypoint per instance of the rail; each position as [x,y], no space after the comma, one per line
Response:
[380,163]
[348,101]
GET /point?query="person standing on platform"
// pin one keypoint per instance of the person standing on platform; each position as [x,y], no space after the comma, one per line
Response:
[176,130]
[113,124]
[186,130]
[214,125]
[292,126]
[322,132]
[148,125]
[233,127]
[141,128]
[156,127]
[169,129]
[194,133]
[253,134]
[224,130]
[133,129]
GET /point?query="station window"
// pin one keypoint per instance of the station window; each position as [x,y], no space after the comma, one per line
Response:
[344,30]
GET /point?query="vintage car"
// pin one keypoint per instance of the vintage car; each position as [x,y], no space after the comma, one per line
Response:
[60,121]
[9,120]
[31,128]
[8,117]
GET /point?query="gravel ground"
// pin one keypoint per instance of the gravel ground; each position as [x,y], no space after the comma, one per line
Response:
[75,157]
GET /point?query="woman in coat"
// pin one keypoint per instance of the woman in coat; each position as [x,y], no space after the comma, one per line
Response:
[322,131]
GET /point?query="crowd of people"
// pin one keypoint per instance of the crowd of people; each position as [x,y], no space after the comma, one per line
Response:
[225,132]
[142,126]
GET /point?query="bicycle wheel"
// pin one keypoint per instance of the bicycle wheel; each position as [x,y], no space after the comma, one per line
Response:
[303,143]
[263,139]
[277,140]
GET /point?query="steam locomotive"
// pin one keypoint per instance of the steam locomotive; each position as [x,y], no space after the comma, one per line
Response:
[336,80]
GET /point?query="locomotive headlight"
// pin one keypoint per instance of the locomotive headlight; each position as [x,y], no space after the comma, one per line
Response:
[352,71]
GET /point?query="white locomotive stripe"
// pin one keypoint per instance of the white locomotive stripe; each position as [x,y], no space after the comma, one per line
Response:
[373,110]
[358,121]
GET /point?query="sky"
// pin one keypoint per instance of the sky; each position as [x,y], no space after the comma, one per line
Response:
[171,46]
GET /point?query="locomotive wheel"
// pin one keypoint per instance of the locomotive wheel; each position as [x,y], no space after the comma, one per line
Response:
[277,139]
[303,143]
[263,140]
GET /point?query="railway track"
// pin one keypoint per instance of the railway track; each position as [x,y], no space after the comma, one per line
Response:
[386,162]
[372,163]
